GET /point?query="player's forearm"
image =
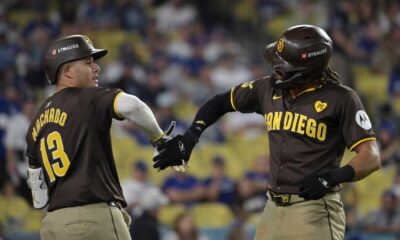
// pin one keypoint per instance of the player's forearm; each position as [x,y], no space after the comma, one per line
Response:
[136,111]
[366,161]
[210,112]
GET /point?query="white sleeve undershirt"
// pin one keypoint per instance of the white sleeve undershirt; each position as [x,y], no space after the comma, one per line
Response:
[135,110]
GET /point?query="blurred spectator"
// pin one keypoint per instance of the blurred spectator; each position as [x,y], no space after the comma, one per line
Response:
[247,125]
[36,44]
[238,232]
[41,21]
[389,143]
[98,15]
[185,229]
[6,51]
[216,13]
[386,219]
[183,188]
[132,16]
[14,211]
[219,186]
[67,11]
[369,39]
[2,237]
[341,30]
[253,187]
[179,49]
[9,105]
[271,8]
[17,163]
[396,185]
[174,14]
[229,73]
[137,187]
[155,87]
[166,103]
[353,228]
[216,47]
[386,58]
[145,226]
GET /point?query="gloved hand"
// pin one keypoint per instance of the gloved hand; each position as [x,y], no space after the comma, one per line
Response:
[315,186]
[175,152]
[166,136]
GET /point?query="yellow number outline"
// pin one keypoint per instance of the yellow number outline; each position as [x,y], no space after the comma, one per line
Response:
[56,145]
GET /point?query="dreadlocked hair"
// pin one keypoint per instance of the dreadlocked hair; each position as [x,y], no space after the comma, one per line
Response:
[330,75]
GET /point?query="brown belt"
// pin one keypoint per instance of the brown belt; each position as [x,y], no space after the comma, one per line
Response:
[284,199]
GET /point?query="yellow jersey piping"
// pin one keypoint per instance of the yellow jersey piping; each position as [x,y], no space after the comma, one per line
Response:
[233,105]
[361,141]
[115,105]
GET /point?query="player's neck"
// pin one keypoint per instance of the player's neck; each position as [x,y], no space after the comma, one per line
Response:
[63,84]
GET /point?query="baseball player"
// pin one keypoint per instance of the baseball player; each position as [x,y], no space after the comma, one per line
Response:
[71,165]
[310,118]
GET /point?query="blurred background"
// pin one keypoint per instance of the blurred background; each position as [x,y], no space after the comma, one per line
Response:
[175,54]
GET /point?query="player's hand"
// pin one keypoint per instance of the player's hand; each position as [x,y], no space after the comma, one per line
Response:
[167,135]
[314,186]
[175,152]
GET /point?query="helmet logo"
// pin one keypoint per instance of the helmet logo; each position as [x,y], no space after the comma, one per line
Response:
[281,45]
[313,54]
[88,40]
[53,52]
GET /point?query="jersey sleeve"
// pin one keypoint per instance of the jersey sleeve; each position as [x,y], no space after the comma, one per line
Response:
[100,103]
[356,126]
[246,98]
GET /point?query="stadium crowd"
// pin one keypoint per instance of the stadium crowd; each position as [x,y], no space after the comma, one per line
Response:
[174,54]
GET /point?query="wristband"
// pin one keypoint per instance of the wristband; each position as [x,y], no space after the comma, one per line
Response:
[343,174]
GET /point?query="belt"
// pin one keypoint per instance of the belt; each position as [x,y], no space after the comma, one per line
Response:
[115,204]
[285,199]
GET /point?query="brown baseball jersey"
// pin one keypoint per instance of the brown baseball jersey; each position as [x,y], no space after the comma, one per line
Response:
[70,139]
[308,134]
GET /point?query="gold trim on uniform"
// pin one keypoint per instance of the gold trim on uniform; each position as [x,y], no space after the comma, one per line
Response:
[233,105]
[361,141]
[115,105]
[307,90]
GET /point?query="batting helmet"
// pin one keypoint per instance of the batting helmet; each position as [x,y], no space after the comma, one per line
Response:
[301,55]
[68,49]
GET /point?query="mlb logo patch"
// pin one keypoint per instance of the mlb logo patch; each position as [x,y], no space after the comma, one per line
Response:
[53,52]
[303,55]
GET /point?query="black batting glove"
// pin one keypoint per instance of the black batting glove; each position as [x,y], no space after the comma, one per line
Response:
[316,186]
[175,152]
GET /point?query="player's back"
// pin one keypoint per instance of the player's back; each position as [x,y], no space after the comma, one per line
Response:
[69,137]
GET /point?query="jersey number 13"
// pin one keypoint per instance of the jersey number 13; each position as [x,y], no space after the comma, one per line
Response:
[58,163]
